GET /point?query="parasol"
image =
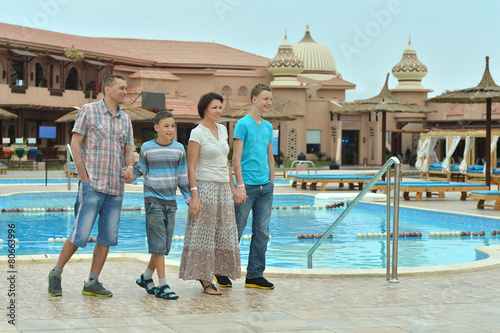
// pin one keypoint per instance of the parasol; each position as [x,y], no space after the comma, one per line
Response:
[135,113]
[384,102]
[485,92]
[6,115]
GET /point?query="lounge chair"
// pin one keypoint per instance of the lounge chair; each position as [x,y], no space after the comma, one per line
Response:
[431,188]
[352,180]
[435,172]
[475,174]
[3,168]
[481,196]
[280,170]
[73,170]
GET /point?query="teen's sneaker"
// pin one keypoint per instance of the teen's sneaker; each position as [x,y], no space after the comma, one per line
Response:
[223,281]
[54,284]
[259,282]
[142,282]
[96,289]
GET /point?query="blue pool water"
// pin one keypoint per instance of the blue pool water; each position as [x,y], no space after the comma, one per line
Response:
[344,250]
[74,181]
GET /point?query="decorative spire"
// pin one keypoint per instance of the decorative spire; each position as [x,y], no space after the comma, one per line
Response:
[285,66]
[409,71]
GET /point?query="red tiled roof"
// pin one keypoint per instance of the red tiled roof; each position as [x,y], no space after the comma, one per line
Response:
[154,52]
[335,82]
[154,74]
[185,54]
[180,108]
[184,108]
[237,73]
[20,36]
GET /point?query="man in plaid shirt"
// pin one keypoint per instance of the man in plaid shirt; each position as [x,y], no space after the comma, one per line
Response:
[102,144]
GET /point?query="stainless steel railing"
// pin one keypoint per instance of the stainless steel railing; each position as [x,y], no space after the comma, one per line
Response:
[68,164]
[298,163]
[391,277]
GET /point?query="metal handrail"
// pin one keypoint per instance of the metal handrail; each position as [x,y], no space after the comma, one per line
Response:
[385,168]
[68,164]
[299,163]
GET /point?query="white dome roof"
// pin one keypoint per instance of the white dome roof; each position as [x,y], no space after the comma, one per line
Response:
[319,63]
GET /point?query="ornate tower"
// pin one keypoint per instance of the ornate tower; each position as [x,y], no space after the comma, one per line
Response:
[409,71]
[285,66]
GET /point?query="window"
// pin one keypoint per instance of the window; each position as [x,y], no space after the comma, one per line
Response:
[313,141]
[40,80]
[243,91]
[17,73]
[226,91]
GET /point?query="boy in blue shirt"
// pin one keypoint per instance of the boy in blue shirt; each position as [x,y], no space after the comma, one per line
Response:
[162,162]
[253,164]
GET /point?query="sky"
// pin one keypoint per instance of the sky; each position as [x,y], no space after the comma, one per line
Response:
[366,37]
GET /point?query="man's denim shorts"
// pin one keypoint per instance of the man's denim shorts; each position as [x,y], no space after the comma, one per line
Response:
[160,223]
[88,205]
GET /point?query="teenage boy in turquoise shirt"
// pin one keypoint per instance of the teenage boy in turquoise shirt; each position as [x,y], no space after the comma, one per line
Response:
[253,165]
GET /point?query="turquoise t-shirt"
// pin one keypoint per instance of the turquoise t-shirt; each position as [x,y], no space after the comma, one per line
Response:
[256,138]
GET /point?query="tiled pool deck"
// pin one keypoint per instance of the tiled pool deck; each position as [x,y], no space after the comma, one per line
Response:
[463,300]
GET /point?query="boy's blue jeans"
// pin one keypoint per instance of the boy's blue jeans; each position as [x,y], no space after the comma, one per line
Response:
[259,201]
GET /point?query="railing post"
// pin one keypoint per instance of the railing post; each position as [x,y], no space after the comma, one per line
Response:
[385,167]
[68,165]
[388,198]
[394,277]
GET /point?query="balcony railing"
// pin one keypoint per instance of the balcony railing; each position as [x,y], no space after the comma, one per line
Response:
[18,89]
[56,92]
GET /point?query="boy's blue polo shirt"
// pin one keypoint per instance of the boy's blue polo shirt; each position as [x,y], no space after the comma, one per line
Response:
[256,138]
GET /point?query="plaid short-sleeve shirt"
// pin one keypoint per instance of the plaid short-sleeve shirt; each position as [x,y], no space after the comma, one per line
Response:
[104,145]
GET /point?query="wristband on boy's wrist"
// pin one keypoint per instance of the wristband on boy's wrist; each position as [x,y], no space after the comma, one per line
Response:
[193,188]
[241,185]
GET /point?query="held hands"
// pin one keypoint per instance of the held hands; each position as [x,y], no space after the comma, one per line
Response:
[239,195]
[128,174]
[194,206]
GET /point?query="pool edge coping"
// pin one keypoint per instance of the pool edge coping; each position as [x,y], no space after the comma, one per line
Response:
[493,260]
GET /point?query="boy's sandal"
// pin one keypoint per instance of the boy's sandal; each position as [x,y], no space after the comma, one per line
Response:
[165,292]
[212,286]
[144,284]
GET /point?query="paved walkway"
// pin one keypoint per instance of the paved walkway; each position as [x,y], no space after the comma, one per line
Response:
[464,301]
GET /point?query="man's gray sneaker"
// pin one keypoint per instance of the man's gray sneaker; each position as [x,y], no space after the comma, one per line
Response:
[54,284]
[95,289]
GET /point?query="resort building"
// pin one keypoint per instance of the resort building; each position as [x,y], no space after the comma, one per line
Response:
[45,75]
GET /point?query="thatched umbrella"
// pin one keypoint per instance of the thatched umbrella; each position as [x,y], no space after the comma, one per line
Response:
[485,92]
[6,115]
[135,113]
[275,113]
[384,102]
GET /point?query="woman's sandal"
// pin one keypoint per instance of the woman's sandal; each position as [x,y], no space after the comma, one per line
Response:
[212,286]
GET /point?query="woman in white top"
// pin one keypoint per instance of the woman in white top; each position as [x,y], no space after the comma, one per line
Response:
[211,238]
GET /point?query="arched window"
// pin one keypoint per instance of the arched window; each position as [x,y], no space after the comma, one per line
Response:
[226,91]
[17,73]
[243,91]
[40,80]
[72,80]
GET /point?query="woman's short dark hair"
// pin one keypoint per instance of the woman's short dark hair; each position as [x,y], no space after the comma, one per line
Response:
[205,100]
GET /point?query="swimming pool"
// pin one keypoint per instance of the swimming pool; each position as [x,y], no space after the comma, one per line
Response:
[344,250]
[74,181]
